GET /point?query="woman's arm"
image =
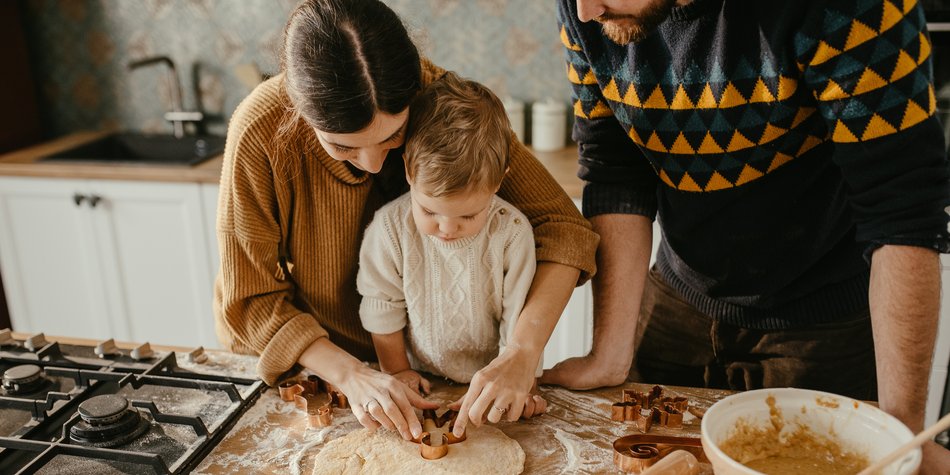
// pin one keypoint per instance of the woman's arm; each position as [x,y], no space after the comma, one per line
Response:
[375,398]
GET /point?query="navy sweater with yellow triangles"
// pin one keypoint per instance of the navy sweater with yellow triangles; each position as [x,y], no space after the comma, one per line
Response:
[778,141]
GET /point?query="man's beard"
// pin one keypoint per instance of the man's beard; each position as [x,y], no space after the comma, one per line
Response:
[634,28]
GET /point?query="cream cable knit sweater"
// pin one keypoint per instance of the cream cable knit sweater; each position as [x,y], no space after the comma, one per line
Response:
[458,302]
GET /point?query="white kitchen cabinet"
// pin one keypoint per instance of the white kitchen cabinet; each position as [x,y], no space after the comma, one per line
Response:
[209,199]
[107,259]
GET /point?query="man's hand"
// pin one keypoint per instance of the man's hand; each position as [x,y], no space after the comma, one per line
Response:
[414,380]
[622,261]
[587,372]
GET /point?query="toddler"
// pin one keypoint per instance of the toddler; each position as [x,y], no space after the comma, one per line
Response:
[445,269]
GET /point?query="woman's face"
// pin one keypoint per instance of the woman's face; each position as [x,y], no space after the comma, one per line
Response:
[366,149]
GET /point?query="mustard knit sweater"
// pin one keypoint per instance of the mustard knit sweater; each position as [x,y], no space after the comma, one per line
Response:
[291,220]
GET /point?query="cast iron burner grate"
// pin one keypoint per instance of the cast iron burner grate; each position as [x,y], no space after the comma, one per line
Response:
[111,416]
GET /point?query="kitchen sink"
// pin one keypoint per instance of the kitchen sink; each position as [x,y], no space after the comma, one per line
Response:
[133,147]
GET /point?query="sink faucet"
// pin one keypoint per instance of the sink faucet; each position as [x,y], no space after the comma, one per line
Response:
[177,116]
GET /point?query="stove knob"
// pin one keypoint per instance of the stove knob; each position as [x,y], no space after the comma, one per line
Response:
[197,356]
[36,342]
[107,349]
[142,352]
[6,338]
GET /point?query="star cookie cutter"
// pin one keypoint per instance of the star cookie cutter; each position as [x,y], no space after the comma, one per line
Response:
[434,425]
[315,397]
[638,452]
[660,410]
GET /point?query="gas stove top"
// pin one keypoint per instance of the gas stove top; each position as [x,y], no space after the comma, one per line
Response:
[68,409]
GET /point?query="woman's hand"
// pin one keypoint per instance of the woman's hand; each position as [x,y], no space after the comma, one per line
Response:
[414,380]
[378,399]
[498,390]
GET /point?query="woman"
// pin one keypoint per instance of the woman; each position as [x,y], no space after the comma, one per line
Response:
[311,154]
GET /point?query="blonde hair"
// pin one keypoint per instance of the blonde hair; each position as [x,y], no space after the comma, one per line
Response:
[458,136]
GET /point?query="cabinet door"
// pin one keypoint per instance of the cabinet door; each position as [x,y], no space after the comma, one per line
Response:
[209,198]
[152,237]
[48,257]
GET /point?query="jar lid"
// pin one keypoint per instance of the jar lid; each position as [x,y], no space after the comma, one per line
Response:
[512,105]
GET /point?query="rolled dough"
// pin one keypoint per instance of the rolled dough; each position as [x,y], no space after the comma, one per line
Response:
[486,451]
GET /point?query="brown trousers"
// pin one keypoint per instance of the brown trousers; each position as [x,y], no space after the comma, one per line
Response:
[678,345]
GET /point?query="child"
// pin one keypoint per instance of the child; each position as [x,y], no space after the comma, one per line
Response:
[445,268]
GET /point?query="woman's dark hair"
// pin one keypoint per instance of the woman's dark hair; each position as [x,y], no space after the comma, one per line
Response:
[346,59]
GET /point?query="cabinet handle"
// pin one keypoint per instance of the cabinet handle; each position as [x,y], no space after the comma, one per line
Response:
[78,198]
[94,200]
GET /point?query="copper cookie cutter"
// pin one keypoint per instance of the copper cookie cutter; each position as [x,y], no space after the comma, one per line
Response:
[664,411]
[433,424]
[638,452]
[315,397]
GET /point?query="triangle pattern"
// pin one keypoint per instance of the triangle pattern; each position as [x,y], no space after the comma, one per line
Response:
[859,34]
[890,16]
[913,115]
[630,98]
[842,134]
[779,160]
[877,127]
[905,64]
[717,182]
[823,53]
[681,146]
[611,92]
[761,93]
[786,87]
[869,81]
[600,110]
[748,174]
[656,100]
[681,100]
[924,49]
[709,145]
[688,184]
[731,97]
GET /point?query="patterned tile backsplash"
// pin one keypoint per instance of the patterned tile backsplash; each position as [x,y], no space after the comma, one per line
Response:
[80,50]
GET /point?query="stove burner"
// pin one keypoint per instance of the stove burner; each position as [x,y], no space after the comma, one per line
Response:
[107,421]
[24,379]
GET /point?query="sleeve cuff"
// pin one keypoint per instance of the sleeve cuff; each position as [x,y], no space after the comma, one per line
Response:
[286,346]
[382,317]
[610,198]
[552,246]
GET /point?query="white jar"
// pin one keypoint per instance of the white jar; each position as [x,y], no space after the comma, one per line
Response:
[515,111]
[548,125]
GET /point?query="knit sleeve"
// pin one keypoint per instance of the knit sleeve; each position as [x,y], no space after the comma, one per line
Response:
[380,278]
[868,66]
[253,300]
[519,267]
[619,177]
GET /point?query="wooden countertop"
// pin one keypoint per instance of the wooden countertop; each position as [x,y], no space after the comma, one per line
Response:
[562,164]
[576,435]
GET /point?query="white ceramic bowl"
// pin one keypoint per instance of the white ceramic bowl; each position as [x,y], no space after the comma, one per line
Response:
[854,424]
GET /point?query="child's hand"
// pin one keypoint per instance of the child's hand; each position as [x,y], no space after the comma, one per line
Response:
[414,380]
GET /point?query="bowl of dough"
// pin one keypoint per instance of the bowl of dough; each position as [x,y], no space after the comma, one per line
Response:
[790,430]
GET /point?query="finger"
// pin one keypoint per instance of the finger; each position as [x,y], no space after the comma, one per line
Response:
[426,387]
[376,410]
[409,414]
[461,422]
[525,409]
[365,419]
[479,410]
[421,402]
[395,415]
[455,406]
[500,408]
[541,405]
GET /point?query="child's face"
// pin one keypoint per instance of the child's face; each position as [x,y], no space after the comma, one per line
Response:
[450,217]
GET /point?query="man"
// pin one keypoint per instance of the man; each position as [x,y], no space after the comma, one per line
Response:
[791,153]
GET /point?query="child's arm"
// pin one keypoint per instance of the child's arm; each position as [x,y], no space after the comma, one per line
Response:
[383,308]
[391,352]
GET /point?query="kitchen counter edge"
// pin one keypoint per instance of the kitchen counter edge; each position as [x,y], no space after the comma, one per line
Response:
[24,162]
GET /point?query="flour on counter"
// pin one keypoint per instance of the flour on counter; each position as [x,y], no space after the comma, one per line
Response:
[582,456]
